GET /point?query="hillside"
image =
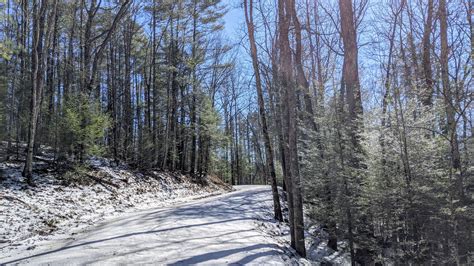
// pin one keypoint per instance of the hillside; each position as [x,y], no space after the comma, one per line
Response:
[66,201]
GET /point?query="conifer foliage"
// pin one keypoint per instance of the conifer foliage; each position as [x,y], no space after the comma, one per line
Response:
[383,150]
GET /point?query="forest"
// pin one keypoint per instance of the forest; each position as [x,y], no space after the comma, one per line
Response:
[359,110]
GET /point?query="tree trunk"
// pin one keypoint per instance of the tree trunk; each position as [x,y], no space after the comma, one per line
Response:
[350,88]
[426,94]
[284,17]
[41,42]
[263,117]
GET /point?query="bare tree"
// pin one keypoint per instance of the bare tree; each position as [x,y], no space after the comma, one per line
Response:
[261,104]
[39,56]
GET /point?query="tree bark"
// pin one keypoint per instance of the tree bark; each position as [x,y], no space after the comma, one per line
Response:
[427,92]
[41,43]
[261,104]
[284,17]
[350,89]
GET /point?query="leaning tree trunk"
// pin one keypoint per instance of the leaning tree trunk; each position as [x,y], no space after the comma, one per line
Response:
[263,117]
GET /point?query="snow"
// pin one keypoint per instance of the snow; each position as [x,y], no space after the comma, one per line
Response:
[152,217]
[217,230]
[317,251]
[52,210]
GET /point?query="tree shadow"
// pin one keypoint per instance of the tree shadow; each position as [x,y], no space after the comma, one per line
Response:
[224,253]
[237,206]
[114,238]
[136,250]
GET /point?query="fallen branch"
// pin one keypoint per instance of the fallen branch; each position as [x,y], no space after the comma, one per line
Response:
[102,181]
[11,198]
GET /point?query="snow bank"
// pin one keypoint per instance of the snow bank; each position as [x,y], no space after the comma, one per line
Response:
[317,251]
[56,206]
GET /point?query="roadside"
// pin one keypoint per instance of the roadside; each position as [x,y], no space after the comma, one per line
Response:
[219,230]
[63,204]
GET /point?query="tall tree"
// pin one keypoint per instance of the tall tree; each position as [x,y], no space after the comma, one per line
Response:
[286,79]
[43,18]
[261,104]
[351,96]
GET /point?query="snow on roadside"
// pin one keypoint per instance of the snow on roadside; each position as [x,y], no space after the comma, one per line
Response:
[53,209]
[317,252]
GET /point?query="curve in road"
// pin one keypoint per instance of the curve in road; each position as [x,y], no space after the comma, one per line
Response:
[217,230]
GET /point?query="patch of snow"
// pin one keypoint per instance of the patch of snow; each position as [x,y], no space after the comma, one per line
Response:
[317,251]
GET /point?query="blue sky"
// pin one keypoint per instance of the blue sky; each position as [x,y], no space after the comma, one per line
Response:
[233,19]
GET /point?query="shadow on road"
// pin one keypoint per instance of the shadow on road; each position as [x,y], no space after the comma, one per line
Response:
[223,210]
